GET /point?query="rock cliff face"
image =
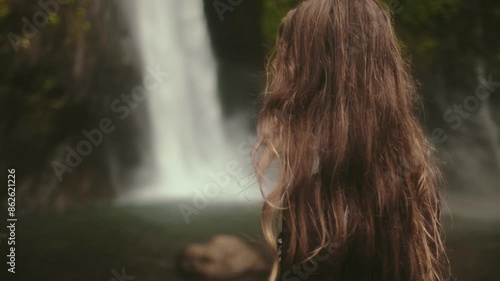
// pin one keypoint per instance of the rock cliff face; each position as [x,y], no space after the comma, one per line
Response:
[64,64]
[457,62]
[238,43]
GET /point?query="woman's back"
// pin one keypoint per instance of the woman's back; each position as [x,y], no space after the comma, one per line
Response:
[357,185]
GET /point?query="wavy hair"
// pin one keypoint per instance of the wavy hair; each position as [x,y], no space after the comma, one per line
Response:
[354,168]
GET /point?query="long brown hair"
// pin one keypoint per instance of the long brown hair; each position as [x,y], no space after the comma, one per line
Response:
[355,170]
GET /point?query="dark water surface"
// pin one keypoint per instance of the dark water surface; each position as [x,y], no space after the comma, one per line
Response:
[90,243]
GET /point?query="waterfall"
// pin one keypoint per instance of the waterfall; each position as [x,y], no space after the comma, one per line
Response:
[187,127]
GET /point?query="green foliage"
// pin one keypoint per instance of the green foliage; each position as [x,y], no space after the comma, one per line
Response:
[4,9]
[428,29]
[274,11]
[42,99]
[43,106]
[83,25]
[420,25]
[423,14]
[54,19]
[427,12]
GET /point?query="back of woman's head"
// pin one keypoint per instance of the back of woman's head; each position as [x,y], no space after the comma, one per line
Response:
[355,169]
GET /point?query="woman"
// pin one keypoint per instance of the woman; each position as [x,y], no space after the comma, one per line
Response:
[357,190]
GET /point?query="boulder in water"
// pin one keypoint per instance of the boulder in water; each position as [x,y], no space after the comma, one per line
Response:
[223,257]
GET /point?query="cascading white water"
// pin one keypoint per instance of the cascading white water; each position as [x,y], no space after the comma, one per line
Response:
[188,133]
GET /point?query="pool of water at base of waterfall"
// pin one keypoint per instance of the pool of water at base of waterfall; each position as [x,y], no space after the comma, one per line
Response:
[143,242]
